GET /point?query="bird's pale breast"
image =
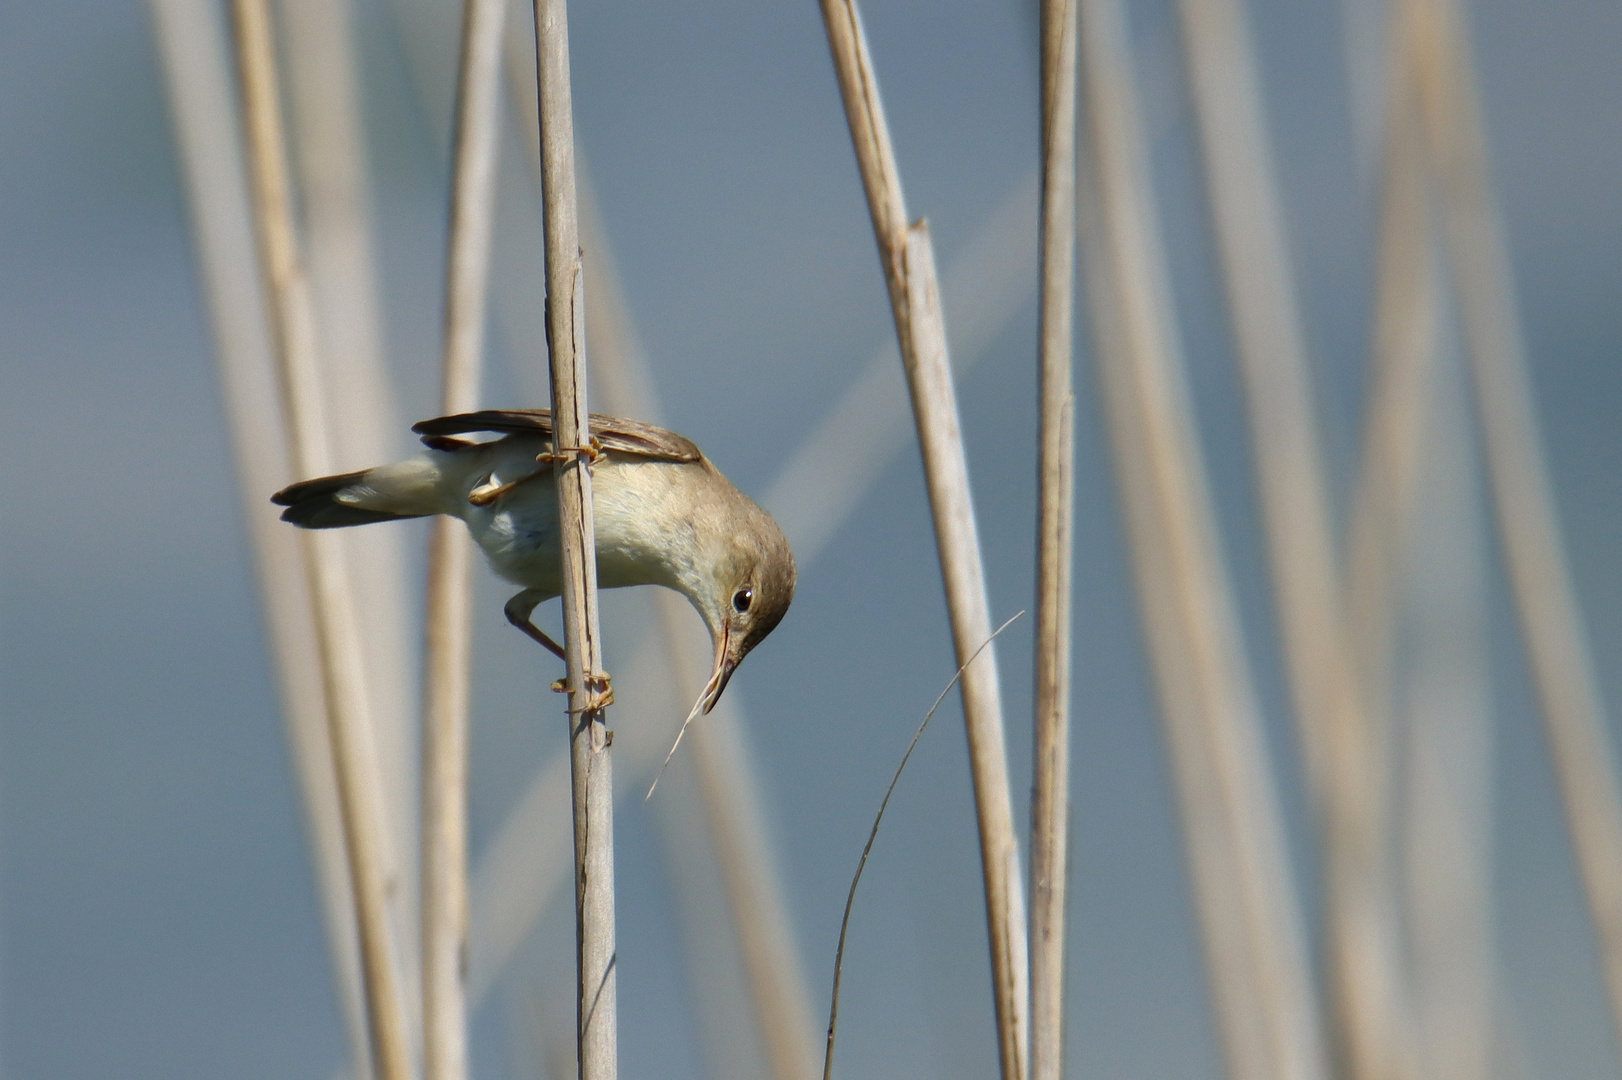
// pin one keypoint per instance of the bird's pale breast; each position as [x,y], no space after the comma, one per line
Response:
[519,531]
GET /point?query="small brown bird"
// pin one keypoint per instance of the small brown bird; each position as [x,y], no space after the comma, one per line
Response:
[664,516]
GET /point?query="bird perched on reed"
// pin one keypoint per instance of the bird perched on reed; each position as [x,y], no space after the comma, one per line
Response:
[664,516]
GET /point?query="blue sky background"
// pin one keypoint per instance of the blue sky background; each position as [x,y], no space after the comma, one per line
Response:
[158,916]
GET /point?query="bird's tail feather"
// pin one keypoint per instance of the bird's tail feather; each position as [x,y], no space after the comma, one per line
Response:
[387,493]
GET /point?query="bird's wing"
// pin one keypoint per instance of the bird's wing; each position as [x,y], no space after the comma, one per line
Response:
[613,432]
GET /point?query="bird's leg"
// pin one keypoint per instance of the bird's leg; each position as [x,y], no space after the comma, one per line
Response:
[518,610]
[487,493]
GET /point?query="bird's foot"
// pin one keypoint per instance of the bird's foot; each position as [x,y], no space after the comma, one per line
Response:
[598,686]
[593,453]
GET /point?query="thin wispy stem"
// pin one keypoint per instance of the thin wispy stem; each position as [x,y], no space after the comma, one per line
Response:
[448,655]
[908,260]
[360,796]
[592,778]
[867,848]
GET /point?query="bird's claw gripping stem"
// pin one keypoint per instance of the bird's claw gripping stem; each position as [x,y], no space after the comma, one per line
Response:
[489,491]
[558,455]
[598,685]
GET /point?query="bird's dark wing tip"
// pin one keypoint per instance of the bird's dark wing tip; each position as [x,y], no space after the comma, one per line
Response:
[613,432]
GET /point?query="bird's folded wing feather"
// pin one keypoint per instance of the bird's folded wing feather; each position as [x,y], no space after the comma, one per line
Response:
[612,432]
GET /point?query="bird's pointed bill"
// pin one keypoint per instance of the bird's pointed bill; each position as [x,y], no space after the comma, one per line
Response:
[721,673]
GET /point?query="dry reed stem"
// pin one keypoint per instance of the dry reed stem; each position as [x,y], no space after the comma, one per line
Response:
[1534,551]
[292,323]
[1050,775]
[328,151]
[1344,743]
[1256,963]
[448,622]
[909,269]
[191,40]
[592,778]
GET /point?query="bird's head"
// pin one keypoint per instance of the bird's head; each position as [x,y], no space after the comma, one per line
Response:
[747,589]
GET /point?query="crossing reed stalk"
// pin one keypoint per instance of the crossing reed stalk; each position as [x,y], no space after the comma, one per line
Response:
[191,38]
[360,796]
[1261,989]
[1345,742]
[1523,502]
[448,623]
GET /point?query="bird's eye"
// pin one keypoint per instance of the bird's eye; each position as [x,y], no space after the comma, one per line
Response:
[742,599]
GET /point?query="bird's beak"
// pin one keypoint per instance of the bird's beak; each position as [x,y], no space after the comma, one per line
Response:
[725,665]
[723,669]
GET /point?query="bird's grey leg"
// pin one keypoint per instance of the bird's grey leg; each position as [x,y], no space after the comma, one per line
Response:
[518,610]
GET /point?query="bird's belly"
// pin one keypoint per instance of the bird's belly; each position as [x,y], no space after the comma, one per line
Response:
[521,544]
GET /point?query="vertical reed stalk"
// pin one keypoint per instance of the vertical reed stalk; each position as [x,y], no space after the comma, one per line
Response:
[292,323]
[191,39]
[588,735]
[448,620]
[1260,987]
[1346,749]
[908,260]
[1050,778]
[1540,580]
